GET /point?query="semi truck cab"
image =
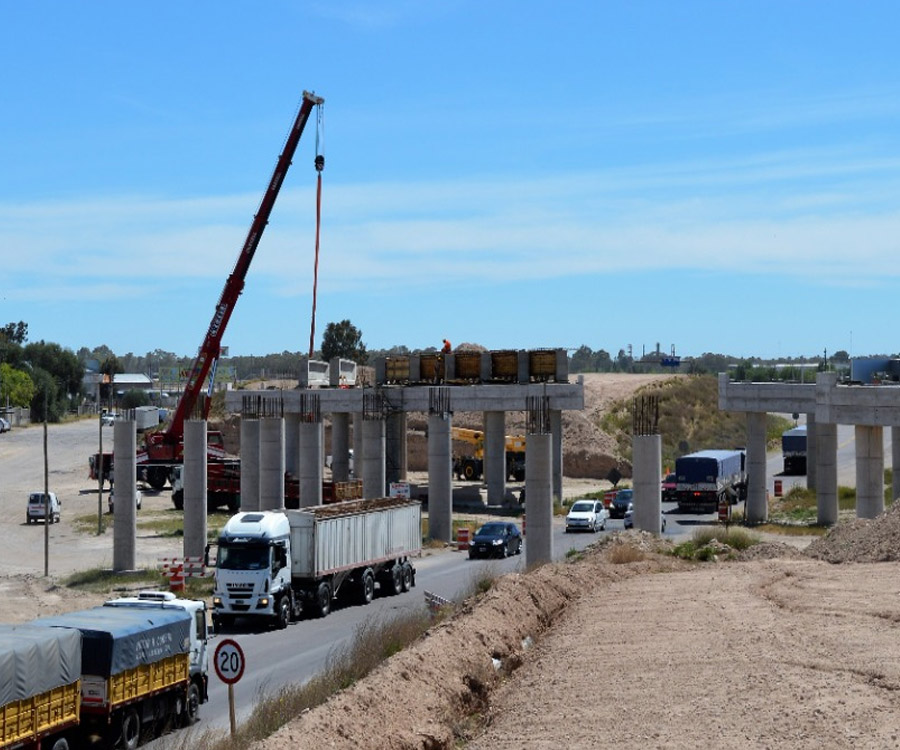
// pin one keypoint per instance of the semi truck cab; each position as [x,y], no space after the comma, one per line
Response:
[253,572]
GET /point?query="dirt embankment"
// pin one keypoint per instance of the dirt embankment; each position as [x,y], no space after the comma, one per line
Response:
[631,648]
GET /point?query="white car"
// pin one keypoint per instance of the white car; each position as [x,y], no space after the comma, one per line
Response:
[587,515]
[38,507]
[4,424]
[107,419]
[112,499]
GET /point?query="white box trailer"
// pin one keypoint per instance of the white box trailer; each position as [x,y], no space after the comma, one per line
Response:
[279,564]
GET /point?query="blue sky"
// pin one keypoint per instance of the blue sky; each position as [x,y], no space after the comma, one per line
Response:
[714,176]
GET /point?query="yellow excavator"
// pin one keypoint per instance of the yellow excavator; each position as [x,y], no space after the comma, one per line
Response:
[471,467]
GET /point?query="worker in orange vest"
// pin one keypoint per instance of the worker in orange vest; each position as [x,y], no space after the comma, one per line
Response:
[448,347]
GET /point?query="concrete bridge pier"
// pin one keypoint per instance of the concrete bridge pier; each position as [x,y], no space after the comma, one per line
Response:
[250,450]
[373,465]
[826,474]
[556,443]
[895,462]
[125,483]
[340,446]
[396,447]
[310,462]
[357,444]
[812,449]
[869,471]
[271,463]
[539,498]
[291,445]
[195,487]
[647,451]
[757,505]
[440,477]
[495,456]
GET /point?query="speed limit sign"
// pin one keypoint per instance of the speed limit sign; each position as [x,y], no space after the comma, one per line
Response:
[229,661]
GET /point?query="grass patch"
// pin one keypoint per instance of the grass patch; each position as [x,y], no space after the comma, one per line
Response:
[793,529]
[102,580]
[699,546]
[621,554]
[87,524]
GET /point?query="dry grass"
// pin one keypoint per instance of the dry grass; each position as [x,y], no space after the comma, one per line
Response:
[620,554]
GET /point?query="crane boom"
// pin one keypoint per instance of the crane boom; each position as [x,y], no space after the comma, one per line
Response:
[167,444]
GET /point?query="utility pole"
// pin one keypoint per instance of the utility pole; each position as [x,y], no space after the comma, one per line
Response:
[47,516]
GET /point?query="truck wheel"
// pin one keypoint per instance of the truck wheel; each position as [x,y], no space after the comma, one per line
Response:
[283,613]
[470,471]
[178,499]
[396,581]
[323,600]
[61,744]
[367,587]
[129,729]
[192,705]
[157,476]
[407,576]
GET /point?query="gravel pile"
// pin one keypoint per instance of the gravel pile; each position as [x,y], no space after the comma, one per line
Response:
[861,540]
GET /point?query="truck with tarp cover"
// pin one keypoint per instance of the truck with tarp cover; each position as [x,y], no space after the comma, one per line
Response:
[40,686]
[704,478]
[793,450]
[135,670]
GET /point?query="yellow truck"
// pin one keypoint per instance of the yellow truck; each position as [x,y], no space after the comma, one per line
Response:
[40,686]
[471,467]
[133,675]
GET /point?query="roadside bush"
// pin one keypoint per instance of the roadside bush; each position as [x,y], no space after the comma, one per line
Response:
[620,554]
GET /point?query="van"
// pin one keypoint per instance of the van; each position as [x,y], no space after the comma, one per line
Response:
[37,507]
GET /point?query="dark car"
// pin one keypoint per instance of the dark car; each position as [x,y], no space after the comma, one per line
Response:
[669,486]
[629,519]
[619,505]
[496,539]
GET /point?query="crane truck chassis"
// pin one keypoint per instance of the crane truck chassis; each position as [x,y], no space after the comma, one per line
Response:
[277,566]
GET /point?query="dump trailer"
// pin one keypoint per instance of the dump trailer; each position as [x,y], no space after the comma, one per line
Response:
[706,477]
[40,687]
[135,671]
[279,565]
[793,450]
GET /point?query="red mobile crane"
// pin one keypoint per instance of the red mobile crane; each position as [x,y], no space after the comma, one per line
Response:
[165,448]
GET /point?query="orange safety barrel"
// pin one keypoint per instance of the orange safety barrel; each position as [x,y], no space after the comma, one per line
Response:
[462,537]
[777,488]
[176,578]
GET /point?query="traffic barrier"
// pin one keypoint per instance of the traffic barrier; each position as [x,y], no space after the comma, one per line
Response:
[462,538]
[724,510]
[777,488]
[177,569]
[435,602]
[176,578]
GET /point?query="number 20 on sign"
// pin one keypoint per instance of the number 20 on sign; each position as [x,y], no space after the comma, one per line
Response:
[229,663]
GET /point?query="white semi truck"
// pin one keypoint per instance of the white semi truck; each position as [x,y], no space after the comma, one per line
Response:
[281,564]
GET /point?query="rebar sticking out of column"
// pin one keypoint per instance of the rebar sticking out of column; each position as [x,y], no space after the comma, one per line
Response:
[439,402]
[645,415]
[537,415]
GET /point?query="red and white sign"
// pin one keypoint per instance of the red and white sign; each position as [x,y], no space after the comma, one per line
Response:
[229,661]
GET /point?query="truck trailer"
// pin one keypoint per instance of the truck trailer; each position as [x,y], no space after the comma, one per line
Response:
[135,673]
[793,450]
[704,478]
[279,565]
[40,687]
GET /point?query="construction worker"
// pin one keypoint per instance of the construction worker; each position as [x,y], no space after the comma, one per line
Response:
[448,347]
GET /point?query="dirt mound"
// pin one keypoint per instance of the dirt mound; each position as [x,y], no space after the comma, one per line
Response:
[861,540]
[771,551]
[451,672]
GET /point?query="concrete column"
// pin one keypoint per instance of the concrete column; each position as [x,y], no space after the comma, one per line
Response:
[357,445]
[340,447]
[195,487]
[647,452]
[395,447]
[291,442]
[125,483]
[524,373]
[556,449]
[440,478]
[249,464]
[271,463]
[869,471]
[757,506]
[373,468]
[826,473]
[310,460]
[495,456]
[895,462]
[811,449]
[538,499]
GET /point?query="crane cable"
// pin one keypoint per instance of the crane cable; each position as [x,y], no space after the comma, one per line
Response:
[320,165]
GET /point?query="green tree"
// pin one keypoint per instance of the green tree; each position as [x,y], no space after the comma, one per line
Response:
[134,398]
[343,340]
[15,333]
[16,387]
